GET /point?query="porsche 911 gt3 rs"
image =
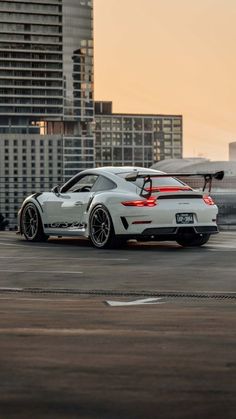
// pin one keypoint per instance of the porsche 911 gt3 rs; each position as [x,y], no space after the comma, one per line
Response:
[111,205]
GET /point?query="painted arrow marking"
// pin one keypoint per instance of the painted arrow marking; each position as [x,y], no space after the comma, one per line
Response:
[135,302]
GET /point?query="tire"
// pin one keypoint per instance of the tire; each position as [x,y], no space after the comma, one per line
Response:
[31,224]
[101,230]
[193,240]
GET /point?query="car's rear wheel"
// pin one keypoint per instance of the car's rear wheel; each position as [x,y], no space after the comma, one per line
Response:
[193,240]
[31,224]
[101,228]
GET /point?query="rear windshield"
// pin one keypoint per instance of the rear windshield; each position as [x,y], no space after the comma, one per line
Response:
[166,181]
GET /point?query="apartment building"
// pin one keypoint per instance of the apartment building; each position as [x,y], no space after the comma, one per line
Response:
[135,139]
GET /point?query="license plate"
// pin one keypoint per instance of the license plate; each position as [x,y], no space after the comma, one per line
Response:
[184,218]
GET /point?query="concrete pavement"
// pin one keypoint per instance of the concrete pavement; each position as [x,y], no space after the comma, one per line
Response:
[65,353]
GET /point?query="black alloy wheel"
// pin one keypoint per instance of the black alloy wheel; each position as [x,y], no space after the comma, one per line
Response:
[31,224]
[101,228]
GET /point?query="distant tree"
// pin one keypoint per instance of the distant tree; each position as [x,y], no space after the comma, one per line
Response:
[3,223]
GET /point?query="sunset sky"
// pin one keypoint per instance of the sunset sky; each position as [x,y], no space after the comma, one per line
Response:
[171,56]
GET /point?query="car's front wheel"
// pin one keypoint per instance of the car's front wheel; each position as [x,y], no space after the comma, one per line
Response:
[31,224]
[193,240]
[101,228]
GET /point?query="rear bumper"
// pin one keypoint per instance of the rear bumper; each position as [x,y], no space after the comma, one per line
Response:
[179,230]
[171,233]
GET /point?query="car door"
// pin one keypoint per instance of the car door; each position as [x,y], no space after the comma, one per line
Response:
[64,210]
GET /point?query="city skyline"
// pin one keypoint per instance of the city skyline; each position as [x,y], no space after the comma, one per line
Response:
[48,128]
[171,57]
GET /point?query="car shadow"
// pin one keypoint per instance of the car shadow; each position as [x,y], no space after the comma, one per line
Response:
[129,246]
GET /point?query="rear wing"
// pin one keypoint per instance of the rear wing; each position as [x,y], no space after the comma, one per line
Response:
[147,178]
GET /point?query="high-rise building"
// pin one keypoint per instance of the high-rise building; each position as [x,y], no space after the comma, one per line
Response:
[46,95]
[135,139]
[232,151]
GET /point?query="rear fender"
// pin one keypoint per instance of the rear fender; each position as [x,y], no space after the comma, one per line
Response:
[112,201]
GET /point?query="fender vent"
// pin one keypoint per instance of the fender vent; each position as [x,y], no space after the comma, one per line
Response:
[124,222]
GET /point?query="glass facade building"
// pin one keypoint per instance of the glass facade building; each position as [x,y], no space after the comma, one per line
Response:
[31,73]
[46,69]
[131,139]
[78,79]
[46,90]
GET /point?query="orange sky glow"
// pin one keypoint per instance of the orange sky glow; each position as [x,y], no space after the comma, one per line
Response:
[171,56]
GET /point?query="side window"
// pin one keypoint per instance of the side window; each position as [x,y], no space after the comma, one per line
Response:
[103,184]
[84,184]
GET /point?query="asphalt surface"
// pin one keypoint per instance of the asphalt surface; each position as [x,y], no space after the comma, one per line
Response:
[66,353]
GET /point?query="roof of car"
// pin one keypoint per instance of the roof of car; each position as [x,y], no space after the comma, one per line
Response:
[125,169]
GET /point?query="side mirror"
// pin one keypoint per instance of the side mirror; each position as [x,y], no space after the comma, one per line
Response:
[56,190]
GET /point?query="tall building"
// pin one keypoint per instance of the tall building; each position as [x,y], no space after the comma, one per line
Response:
[133,139]
[46,95]
[232,151]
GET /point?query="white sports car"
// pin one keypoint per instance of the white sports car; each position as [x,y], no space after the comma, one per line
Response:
[111,205]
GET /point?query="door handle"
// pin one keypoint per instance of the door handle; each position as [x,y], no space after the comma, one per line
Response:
[78,203]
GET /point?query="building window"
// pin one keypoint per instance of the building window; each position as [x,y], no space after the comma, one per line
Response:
[138,124]
[138,139]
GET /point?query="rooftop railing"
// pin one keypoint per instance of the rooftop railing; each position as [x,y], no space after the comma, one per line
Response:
[14,190]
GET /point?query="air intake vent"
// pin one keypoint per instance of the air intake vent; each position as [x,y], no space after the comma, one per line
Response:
[124,222]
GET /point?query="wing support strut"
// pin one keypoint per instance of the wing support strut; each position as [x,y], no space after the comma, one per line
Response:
[147,178]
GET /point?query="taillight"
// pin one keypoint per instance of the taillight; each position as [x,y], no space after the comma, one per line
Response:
[150,202]
[168,188]
[208,200]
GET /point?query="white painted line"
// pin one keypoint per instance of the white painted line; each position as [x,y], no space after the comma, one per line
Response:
[65,258]
[40,272]
[28,246]
[146,301]
[100,332]
[223,249]
[233,246]
[10,289]
[51,332]
[57,248]
[42,300]
[76,332]
[8,244]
